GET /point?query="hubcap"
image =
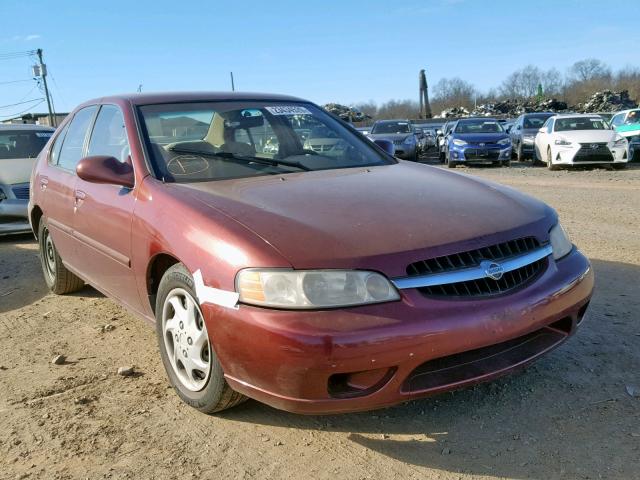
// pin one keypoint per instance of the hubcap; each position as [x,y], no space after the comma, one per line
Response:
[49,255]
[186,339]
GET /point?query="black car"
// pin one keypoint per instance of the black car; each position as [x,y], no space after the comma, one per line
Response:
[523,133]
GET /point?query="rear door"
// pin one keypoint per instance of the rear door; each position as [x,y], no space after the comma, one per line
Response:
[60,180]
[103,215]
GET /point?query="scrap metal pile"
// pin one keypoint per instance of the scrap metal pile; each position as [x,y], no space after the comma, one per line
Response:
[348,114]
[607,101]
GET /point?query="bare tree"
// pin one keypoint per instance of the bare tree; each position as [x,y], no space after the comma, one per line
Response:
[453,92]
[589,69]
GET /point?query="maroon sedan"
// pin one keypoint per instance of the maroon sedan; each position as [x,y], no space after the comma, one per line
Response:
[284,257]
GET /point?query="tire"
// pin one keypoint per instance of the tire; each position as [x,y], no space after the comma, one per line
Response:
[441,156]
[451,163]
[58,279]
[550,164]
[506,163]
[205,388]
[519,153]
[619,166]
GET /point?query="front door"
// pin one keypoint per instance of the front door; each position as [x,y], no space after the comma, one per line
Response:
[103,214]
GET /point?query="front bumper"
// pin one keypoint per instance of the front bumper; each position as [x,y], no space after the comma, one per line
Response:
[374,356]
[479,154]
[13,213]
[404,151]
[572,155]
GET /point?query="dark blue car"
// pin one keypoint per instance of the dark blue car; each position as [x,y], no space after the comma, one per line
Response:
[478,140]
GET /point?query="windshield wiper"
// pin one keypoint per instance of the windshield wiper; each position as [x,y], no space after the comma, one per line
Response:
[243,158]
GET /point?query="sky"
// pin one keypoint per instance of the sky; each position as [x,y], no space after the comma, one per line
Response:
[346,51]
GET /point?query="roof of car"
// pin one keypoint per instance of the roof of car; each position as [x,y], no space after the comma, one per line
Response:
[24,126]
[393,121]
[572,115]
[490,119]
[180,97]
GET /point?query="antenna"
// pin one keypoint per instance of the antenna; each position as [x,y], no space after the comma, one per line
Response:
[233,87]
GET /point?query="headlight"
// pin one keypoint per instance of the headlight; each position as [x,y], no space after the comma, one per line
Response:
[410,139]
[619,141]
[562,141]
[307,289]
[528,139]
[458,142]
[504,141]
[560,242]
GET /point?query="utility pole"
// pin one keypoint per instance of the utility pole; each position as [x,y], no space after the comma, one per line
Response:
[43,74]
[233,87]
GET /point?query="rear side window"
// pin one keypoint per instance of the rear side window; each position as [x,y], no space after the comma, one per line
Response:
[71,151]
[57,145]
[109,136]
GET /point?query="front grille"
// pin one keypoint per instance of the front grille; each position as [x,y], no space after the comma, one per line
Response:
[481,154]
[398,142]
[485,286]
[588,153]
[21,191]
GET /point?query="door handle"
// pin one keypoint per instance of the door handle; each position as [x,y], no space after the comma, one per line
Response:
[44,181]
[79,196]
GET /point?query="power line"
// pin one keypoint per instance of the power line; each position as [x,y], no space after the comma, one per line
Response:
[13,115]
[12,55]
[21,103]
[16,81]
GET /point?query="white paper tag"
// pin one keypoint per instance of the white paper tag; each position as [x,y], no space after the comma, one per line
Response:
[288,110]
[216,296]
[44,134]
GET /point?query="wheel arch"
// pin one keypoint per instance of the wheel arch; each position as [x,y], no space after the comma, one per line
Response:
[34,217]
[156,269]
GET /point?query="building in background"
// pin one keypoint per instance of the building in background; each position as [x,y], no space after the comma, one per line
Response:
[37,118]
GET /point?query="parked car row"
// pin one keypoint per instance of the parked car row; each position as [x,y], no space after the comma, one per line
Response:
[543,137]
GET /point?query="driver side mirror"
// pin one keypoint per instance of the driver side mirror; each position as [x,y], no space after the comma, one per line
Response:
[542,130]
[105,169]
[386,145]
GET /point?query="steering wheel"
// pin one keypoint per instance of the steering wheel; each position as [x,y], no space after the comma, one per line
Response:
[184,165]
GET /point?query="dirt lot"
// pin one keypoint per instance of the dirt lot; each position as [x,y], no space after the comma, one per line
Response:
[568,416]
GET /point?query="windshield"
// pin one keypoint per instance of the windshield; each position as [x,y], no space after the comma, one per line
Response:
[478,126]
[391,127]
[535,121]
[22,143]
[192,142]
[579,123]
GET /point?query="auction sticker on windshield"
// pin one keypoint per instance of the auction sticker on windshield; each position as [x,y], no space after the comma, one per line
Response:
[288,110]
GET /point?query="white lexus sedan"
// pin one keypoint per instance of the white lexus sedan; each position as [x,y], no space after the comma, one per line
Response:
[579,139]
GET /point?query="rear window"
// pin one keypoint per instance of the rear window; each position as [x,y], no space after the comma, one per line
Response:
[22,143]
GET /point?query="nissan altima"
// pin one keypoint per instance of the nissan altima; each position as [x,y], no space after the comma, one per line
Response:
[314,283]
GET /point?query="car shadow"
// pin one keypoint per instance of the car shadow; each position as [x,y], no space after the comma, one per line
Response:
[21,280]
[566,416]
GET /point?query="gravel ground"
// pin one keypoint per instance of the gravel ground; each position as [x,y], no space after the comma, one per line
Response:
[570,415]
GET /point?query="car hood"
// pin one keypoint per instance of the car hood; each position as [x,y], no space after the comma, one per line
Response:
[389,136]
[357,217]
[585,136]
[480,137]
[15,170]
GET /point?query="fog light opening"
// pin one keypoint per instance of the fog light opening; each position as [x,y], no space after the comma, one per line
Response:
[356,384]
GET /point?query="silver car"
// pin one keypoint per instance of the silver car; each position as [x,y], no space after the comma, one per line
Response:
[401,133]
[19,146]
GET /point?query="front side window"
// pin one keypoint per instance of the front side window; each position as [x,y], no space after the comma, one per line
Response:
[191,142]
[109,136]
[22,143]
[580,123]
[71,151]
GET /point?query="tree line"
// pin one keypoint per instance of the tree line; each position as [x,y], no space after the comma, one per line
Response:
[579,82]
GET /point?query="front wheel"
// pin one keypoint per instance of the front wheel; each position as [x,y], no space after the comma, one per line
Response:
[188,357]
[506,163]
[619,166]
[57,277]
[550,164]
